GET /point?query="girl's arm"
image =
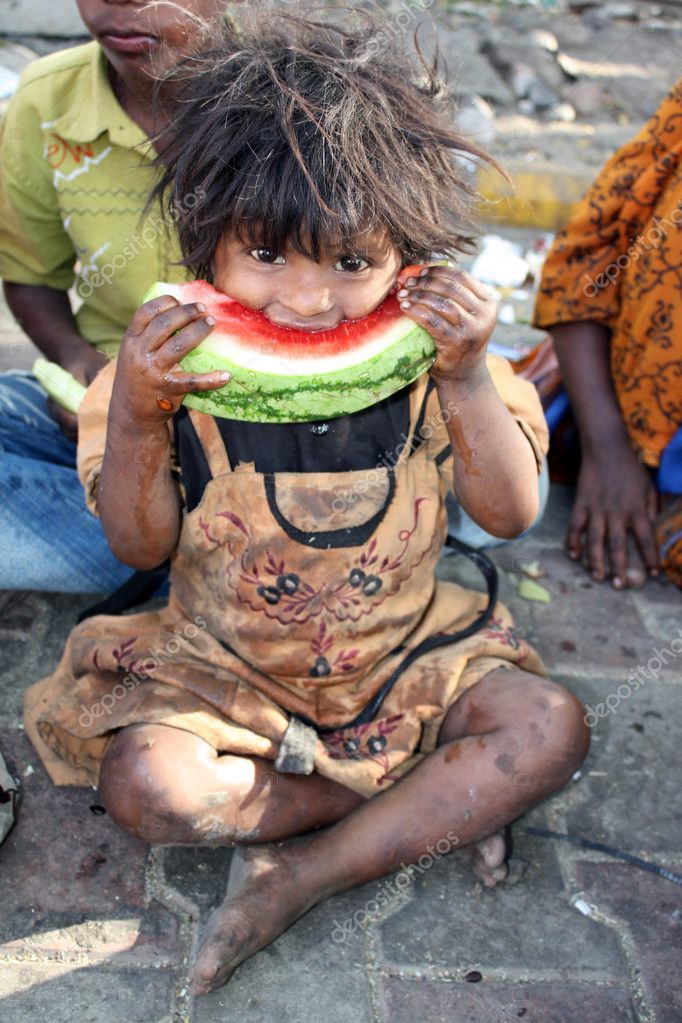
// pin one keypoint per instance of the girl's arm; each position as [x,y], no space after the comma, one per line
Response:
[615,494]
[138,500]
[495,473]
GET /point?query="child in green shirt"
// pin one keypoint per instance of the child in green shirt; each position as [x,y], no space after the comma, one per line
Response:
[76,170]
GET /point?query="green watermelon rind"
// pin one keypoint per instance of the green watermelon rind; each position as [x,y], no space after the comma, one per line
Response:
[274,398]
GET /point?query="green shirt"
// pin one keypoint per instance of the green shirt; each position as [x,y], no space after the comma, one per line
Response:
[75,173]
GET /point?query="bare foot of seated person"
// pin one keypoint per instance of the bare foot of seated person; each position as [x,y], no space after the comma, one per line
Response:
[165,785]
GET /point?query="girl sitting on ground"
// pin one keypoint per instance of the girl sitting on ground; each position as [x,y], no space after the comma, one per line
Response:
[327,166]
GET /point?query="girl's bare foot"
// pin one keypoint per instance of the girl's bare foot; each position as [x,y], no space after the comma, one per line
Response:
[488,859]
[265,894]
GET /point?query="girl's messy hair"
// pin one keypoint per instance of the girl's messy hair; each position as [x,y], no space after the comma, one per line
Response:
[311,131]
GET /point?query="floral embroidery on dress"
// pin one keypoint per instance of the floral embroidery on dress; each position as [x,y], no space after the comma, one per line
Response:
[507,635]
[352,597]
[364,742]
[117,660]
[320,646]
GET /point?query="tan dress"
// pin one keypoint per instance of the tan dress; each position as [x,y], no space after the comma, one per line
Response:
[294,597]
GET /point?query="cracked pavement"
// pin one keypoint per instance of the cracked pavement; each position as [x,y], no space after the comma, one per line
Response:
[97,922]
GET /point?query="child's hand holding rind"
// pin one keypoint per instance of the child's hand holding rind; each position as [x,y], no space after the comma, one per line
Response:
[148,388]
[149,381]
[460,314]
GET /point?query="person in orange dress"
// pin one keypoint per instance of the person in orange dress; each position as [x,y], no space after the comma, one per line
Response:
[611,295]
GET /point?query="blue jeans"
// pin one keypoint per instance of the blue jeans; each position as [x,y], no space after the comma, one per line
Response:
[48,538]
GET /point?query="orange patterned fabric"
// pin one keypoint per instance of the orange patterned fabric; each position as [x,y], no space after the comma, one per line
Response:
[619,262]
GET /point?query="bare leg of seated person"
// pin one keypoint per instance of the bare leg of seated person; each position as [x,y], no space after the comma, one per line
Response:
[168,786]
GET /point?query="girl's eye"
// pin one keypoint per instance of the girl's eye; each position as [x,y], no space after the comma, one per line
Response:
[351,264]
[267,256]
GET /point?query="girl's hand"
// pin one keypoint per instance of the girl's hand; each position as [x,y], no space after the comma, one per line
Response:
[459,313]
[149,384]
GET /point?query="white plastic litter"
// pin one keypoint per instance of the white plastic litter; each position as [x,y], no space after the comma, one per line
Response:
[583,907]
[535,256]
[500,262]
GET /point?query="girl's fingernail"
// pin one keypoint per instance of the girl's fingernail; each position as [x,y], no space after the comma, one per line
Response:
[201,308]
[404,305]
[403,293]
[210,320]
[411,281]
[225,376]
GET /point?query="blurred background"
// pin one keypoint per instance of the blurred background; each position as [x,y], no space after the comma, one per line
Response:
[550,87]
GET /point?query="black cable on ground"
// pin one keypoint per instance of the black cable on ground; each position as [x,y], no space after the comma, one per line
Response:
[587,843]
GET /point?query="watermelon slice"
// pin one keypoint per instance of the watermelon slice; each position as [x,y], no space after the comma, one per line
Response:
[281,375]
[61,385]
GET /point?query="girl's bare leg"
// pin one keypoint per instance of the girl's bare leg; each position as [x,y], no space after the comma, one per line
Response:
[169,786]
[509,741]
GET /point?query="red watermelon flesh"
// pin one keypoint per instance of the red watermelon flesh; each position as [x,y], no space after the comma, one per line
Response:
[284,375]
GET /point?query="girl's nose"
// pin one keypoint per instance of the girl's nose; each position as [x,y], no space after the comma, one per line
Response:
[308,301]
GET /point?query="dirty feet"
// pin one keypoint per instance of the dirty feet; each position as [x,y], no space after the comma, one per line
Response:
[488,859]
[265,894]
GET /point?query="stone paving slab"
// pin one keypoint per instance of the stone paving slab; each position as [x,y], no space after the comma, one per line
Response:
[525,933]
[453,925]
[59,994]
[660,609]
[628,793]
[302,977]
[651,909]
[73,882]
[33,629]
[487,1002]
[570,634]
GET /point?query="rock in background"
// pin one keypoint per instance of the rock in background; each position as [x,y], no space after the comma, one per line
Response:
[51,18]
[550,87]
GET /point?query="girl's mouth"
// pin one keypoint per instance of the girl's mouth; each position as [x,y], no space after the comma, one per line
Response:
[308,328]
[132,42]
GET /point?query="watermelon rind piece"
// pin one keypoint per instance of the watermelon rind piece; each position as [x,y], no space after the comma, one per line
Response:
[257,394]
[61,385]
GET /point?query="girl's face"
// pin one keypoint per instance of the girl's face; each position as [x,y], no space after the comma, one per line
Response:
[131,32]
[296,291]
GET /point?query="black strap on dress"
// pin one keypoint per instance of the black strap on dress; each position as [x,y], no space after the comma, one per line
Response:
[371,709]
